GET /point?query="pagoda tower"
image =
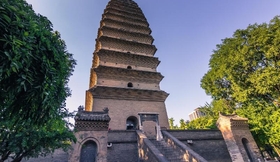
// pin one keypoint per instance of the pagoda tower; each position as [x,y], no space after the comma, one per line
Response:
[123,76]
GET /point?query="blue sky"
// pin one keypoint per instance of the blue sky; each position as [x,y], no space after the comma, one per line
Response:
[185,32]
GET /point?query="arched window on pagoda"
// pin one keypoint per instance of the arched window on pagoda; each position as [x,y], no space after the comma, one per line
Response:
[131,123]
[129,84]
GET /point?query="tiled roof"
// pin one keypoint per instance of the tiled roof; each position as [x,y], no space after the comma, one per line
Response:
[92,115]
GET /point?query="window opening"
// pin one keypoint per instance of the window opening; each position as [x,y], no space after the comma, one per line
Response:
[129,84]
[131,123]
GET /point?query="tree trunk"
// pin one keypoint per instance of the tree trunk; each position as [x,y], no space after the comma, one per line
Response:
[5,156]
[18,159]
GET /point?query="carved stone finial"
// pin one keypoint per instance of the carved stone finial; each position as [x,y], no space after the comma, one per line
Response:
[106,110]
[81,108]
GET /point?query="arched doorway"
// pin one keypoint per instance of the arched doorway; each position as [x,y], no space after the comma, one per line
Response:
[245,143]
[88,152]
[131,123]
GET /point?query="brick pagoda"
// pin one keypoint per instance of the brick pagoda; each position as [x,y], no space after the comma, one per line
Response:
[124,74]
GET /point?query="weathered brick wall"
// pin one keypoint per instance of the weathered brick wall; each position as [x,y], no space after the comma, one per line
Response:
[211,150]
[123,84]
[149,127]
[124,65]
[124,59]
[112,32]
[99,137]
[118,136]
[120,110]
[128,12]
[126,26]
[196,134]
[126,19]
[127,7]
[123,13]
[121,152]
[234,129]
[253,148]
[207,143]
[127,46]
[124,146]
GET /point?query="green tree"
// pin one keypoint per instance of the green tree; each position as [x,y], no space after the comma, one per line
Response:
[244,71]
[182,124]
[171,124]
[211,112]
[34,72]
[205,122]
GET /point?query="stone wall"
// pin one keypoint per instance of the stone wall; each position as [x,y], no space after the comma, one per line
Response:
[120,110]
[99,137]
[124,65]
[129,27]
[252,147]
[238,138]
[185,151]
[207,143]
[123,84]
[124,146]
[113,32]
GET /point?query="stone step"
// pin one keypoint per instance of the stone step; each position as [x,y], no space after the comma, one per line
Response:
[171,154]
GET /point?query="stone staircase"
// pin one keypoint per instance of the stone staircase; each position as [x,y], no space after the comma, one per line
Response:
[169,153]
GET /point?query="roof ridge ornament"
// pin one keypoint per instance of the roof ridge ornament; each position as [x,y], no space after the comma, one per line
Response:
[81,108]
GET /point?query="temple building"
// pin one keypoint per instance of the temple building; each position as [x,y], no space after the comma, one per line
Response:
[125,118]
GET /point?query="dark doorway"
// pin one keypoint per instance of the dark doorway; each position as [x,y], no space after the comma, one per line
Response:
[88,152]
[131,123]
[246,145]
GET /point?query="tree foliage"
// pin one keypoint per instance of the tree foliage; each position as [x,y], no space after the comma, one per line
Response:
[211,112]
[182,124]
[171,124]
[34,72]
[244,71]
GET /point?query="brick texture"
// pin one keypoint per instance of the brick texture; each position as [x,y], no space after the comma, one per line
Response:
[120,110]
[124,146]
